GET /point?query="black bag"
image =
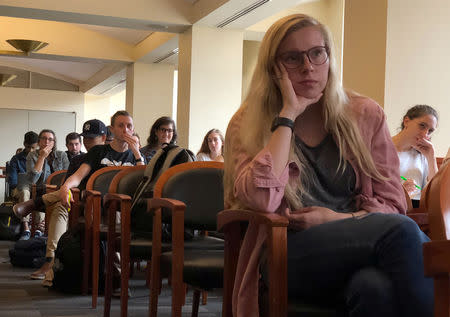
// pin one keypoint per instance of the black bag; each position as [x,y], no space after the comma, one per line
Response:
[68,264]
[164,158]
[9,223]
[28,253]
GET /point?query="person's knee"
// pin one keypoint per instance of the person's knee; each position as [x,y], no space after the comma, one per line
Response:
[370,293]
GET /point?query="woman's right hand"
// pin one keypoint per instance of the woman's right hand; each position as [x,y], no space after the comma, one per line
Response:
[293,104]
[44,152]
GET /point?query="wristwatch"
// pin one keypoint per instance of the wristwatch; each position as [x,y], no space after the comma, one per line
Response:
[282,121]
[139,160]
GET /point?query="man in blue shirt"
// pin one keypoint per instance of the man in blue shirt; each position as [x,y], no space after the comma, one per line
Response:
[17,165]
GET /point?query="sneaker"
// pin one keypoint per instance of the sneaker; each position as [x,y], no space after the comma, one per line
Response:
[25,235]
[38,233]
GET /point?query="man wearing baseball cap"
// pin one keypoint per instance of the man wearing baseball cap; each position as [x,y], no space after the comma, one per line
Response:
[94,133]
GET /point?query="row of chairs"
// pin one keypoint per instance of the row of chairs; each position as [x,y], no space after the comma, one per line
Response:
[199,190]
[191,195]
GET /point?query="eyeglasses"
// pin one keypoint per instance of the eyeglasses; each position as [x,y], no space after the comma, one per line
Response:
[317,55]
[164,130]
[47,139]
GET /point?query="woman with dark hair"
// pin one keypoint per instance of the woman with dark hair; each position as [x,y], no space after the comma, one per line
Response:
[212,147]
[302,147]
[42,163]
[415,150]
[162,131]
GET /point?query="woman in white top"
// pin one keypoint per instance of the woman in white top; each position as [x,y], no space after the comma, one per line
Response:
[415,150]
[212,147]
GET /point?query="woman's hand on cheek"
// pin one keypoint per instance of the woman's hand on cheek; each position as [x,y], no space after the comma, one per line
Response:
[308,217]
[293,104]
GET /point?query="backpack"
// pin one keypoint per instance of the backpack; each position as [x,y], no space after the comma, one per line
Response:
[164,158]
[28,253]
[68,266]
[9,223]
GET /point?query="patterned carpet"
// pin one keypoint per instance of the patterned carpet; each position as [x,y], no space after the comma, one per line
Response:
[20,296]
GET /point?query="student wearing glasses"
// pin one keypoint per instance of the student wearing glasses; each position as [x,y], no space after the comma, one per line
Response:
[162,131]
[415,150]
[42,163]
[304,148]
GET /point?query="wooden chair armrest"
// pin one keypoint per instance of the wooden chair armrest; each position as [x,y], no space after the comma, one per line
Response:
[50,188]
[228,221]
[114,196]
[91,192]
[229,216]
[172,204]
[436,257]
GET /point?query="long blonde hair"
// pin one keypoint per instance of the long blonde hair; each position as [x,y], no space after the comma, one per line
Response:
[264,102]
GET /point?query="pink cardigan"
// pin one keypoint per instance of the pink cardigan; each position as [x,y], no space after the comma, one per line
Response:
[257,188]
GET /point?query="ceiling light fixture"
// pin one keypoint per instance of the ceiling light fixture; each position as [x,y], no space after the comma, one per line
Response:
[6,78]
[24,46]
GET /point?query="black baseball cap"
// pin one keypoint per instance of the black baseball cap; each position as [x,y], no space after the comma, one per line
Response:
[93,128]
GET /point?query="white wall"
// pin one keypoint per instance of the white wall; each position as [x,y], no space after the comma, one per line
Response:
[40,99]
[417,64]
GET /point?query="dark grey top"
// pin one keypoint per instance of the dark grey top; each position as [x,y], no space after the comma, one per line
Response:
[329,187]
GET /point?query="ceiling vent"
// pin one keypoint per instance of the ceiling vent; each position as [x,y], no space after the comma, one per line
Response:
[162,58]
[241,13]
[113,87]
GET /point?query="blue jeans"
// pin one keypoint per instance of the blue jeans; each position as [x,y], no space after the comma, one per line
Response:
[371,266]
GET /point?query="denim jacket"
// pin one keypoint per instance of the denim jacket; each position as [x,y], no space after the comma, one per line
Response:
[61,162]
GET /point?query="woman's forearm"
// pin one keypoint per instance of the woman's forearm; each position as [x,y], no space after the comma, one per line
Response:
[39,164]
[279,146]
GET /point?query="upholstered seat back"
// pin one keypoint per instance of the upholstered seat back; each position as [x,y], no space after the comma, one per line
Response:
[103,180]
[201,189]
[129,182]
[57,178]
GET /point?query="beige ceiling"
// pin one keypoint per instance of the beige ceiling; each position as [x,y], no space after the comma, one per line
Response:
[90,45]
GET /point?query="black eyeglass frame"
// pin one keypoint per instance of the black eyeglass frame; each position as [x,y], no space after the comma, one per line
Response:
[307,53]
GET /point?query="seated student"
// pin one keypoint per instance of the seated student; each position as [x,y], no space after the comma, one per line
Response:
[212,147]
[42,163]
[73,144]
[304,148]
[122,151]
[415,150]
[162,131]
[17,165]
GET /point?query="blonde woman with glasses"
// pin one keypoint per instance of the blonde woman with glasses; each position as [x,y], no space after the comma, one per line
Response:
[302,147]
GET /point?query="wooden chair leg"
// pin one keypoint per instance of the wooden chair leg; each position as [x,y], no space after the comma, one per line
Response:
[204,297]
[195,303]
[442,294]
[87,243]
[147,274]
[109,266]
[95,257]
[155,287]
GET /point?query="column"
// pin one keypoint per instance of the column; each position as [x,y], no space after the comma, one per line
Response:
[209,82]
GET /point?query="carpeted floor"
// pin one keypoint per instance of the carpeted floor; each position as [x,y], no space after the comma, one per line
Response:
[20,296]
